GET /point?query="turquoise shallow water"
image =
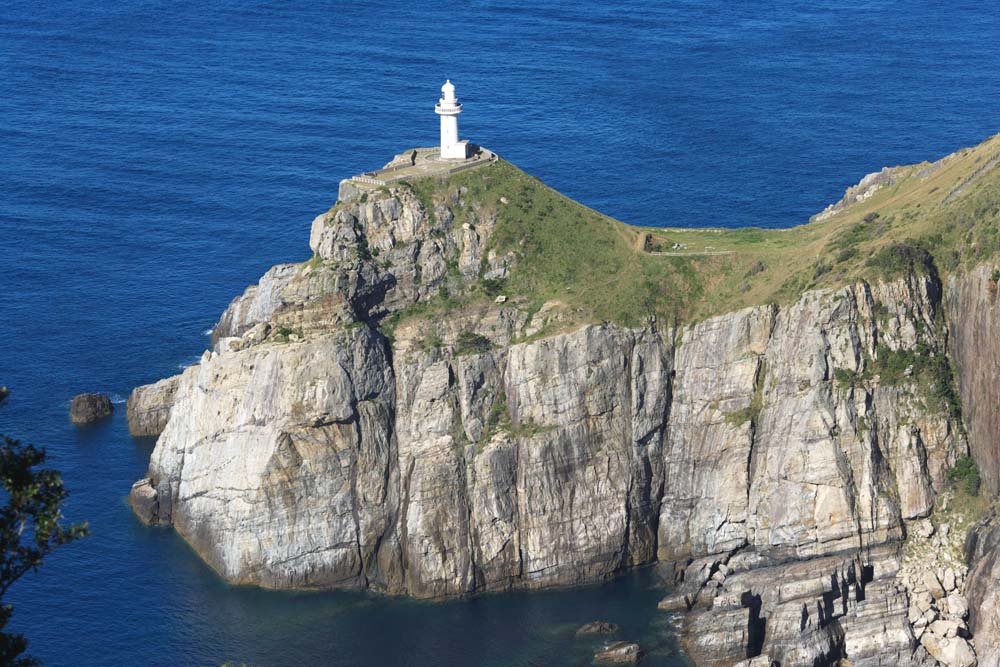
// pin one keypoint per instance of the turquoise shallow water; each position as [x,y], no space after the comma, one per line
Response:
[155,158]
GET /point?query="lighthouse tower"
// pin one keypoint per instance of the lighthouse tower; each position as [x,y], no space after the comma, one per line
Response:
[448,107]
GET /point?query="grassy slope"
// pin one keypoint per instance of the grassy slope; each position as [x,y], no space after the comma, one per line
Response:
[596,265]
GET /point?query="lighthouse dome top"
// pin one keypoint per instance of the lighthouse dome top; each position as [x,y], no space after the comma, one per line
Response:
[448,92]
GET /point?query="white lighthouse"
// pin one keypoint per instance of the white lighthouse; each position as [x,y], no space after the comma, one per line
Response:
[448,107]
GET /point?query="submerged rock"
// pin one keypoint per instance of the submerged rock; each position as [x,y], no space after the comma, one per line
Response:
[597,628]
[86,408]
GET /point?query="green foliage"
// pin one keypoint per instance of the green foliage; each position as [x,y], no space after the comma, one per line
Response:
[965,474]
[432,341]
[898,259]
[931,372]
[821,268]
[493,286]
[846,254]
[313,262]
[757,267]
[498,419]
[845,378]
[602,270]
[283,334]
[31,528]
[362,251]
[472,343]
[751,413]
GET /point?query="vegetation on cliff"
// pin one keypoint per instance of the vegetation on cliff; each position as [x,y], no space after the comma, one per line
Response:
[925,218]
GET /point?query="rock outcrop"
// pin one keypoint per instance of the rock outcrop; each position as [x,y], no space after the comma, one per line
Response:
[773,457]
[86,408]
[148,407]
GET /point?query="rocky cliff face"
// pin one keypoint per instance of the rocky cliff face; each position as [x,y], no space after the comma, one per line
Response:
[776,444]
[974,321]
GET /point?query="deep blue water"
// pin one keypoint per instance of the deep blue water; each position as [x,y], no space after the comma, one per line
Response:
[157,157]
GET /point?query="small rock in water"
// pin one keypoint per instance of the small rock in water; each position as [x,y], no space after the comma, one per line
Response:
[619,653]
[4,393]
[87,408]
[597,628]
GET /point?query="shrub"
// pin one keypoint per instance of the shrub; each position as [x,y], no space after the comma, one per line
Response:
[493,286]
[845,378]
[901,258]
[472,343]
[758,267]
[965,474]
[846,254]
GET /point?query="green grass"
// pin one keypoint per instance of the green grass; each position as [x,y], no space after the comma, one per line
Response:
[601,269]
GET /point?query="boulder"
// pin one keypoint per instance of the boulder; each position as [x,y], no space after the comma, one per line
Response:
[4,393]
[953,652]
[948,581]
[933,586]
[922,601]
[87,408]
[957,606]
[944,628]
[619,653]
[924,529]
[597,628]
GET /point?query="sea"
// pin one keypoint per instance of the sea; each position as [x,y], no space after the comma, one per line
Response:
[158,157]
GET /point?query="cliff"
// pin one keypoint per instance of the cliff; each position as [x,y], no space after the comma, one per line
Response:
[476,384]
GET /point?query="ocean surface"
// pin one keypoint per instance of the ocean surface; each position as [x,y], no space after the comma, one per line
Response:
[155,158]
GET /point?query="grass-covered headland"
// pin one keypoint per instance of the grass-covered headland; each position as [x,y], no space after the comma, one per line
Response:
[929,217]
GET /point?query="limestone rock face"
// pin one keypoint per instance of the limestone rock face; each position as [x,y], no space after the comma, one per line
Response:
[974,322]
[149,406]
[290,486]
[86,408]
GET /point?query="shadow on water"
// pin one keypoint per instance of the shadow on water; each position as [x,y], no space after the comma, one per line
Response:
[520,629]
